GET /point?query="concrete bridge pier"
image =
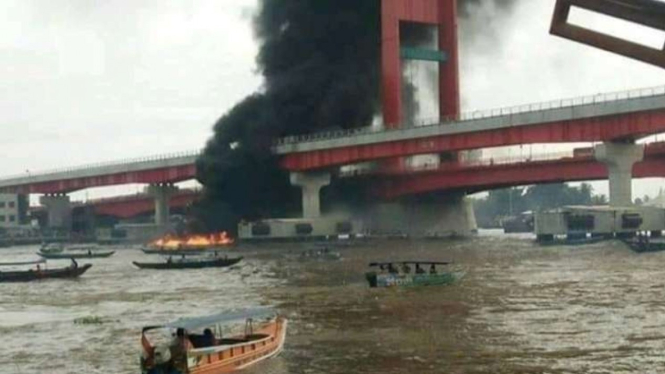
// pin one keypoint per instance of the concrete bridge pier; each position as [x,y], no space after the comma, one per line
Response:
[59,210]
[620,158]
[311,185]
[162,193]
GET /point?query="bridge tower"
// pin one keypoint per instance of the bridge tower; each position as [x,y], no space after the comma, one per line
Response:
[441,14]
[435,214]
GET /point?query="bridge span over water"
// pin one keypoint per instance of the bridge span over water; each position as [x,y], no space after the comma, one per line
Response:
[617,119]
[627,115]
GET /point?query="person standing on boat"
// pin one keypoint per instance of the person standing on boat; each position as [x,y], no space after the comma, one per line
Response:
[432,269]
[74,263]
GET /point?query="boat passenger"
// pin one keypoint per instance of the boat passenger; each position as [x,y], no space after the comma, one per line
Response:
[432,269]
[169,260]
[392,269]
[179,343]
[406,268]
[89,252]
[74,263]
[208,338]
[419,270]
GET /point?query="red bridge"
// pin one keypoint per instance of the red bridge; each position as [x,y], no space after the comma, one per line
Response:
[617,120]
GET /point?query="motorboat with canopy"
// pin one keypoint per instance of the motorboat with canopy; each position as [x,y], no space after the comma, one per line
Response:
[410,273]
[199,345]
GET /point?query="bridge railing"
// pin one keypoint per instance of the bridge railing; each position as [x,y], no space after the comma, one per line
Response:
[482,114]
[98,165]
[466,164]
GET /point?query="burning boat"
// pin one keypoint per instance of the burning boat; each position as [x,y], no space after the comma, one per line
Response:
[189,245]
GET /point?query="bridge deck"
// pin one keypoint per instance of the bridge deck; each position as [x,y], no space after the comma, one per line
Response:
[473,130]
[641,100]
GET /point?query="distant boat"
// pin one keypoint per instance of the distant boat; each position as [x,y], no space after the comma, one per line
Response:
[522,223]
[391,275]
[89,254]
[188,263]
[52,248]
[645,245]
[31,275]
[196,350]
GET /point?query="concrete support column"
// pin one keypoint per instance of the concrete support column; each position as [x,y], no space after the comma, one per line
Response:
[311,184]
[59,210]
[162,193]
[620,158]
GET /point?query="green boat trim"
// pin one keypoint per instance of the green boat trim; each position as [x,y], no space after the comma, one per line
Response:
[412,280]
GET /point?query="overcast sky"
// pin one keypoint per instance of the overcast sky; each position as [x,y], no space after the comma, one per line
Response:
[86,81]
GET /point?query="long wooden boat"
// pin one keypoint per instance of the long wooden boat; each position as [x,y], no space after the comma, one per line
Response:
[89,254]
[195,349]
[189,263]
[393,274]
[31,275]
[52,248]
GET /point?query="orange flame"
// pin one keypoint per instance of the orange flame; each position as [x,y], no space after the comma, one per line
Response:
[193,241]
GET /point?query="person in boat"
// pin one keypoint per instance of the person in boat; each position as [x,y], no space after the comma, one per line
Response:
[179,343]
[208,338]
[74,263]
[392,269]
[432,269]
[89,252]
[419,270]
[406,268]
[169,260]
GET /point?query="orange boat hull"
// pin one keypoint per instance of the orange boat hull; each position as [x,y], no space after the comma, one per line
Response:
[228,359]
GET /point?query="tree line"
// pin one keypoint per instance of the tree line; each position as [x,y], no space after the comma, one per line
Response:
[511,201]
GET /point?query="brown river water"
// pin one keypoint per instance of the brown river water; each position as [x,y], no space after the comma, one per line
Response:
[520,308]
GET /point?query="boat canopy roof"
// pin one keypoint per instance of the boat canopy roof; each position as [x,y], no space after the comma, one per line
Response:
[409,262]
[215,319]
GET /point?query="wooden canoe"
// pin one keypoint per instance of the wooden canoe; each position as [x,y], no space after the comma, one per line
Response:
[66,256]
[189,264]
[31,275]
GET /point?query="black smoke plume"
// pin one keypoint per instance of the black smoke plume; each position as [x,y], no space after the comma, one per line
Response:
[320,65]
[320,60]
